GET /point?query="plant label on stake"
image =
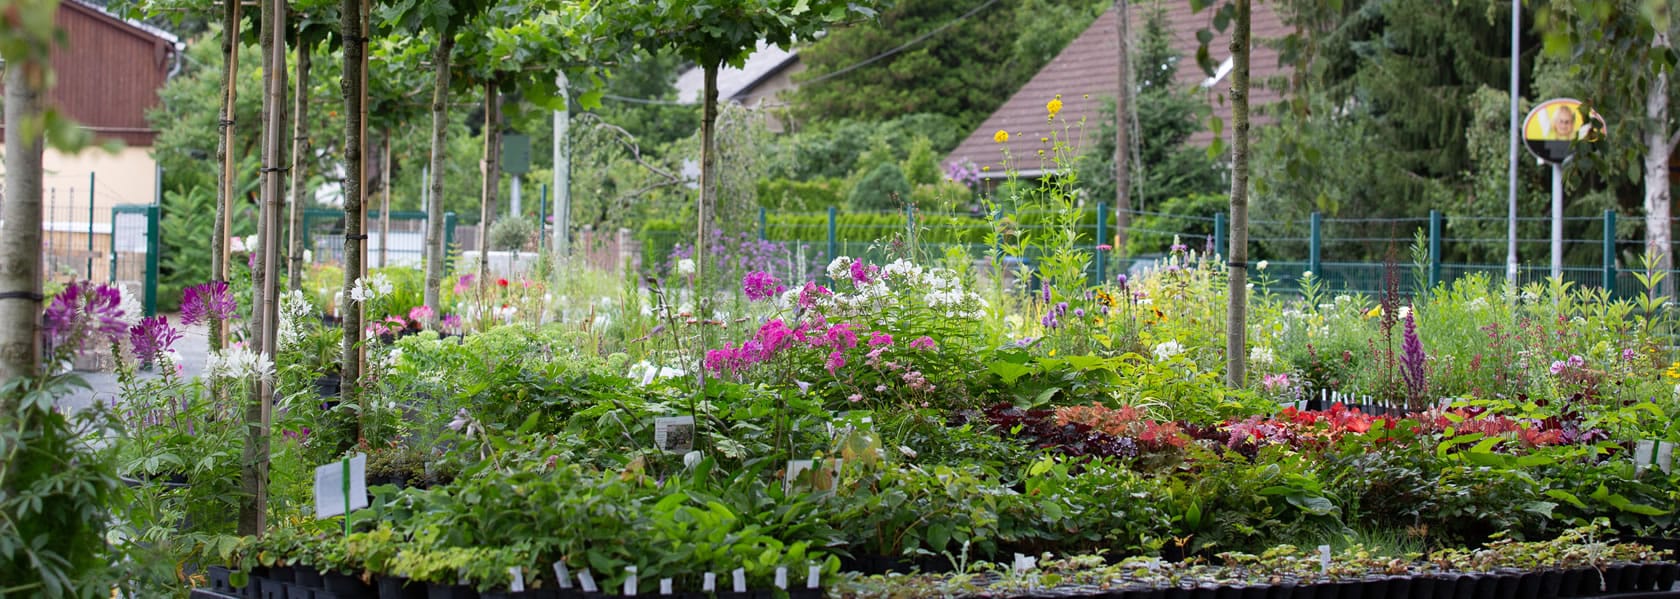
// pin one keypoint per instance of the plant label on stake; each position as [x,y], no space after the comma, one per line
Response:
[629,581]
[674,434]
[709,582]
[740,580]
[562,577]
[587,581]
[665,586]
[813,577]
[1665,457]
[341,487]
[1644,453]
[1324,558]
[781,577]
[516,576]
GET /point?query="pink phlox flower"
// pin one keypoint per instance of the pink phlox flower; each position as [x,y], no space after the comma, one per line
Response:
[923,342]
[836,360]
[878,338]
[759,285]
[809,294]
[420,313]
[862,273]
[840,337]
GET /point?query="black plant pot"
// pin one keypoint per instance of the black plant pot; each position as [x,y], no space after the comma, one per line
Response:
[508,595]
[1627,580]
[1350,589]
[1593,583]
[1176,592]
[1508,586]
[1376,587]
[346,586]
[1549,585]
[391,587]
[1485,587]
[328,386]
[1665,579]
[282,574]
[308,577]
[805,594]
[220,581]
[1230,592]
[1423,588]
[1400,588]
[450,591]
[1569,583]
[298,591]
[1258,591]
[269,588]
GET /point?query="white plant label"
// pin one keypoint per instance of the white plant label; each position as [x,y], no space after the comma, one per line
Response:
[740,580]
[1024,563]
[1665,457]
[587,581]
[1324,558]
[665,586]
[630,581]
[813,577]
[709,582]
[674,434]
[781,577]
[562,577]
[1644,453]
[331,496]
[517,575]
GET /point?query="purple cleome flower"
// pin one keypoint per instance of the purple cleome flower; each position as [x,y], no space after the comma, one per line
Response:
[152,338]
[83,309]
[200,303]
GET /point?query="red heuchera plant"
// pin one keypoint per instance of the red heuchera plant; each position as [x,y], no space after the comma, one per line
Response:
[1125,421]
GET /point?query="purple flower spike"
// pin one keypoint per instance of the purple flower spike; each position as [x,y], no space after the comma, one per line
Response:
[200,303]
[152,338]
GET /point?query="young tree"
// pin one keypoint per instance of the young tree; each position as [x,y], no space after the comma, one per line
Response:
[1237,13]
[712,33]
[1624,48]
[353,32]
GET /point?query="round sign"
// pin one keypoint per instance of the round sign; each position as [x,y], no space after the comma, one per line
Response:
[1553,127]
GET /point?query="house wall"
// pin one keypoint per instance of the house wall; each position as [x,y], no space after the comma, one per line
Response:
[768,95]
[128,176]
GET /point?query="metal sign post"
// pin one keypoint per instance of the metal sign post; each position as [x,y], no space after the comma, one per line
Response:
[1551,131]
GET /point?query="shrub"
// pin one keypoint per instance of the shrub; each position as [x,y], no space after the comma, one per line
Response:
[884,188]
[510,234]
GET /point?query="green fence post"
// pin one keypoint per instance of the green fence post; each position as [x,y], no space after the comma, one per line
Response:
[152,249]
[1315,246]
[1434,248]
[833,242]
[763,231]
[1102,238]
[1219,233]
[1610,253]
[448,240]
[90,229]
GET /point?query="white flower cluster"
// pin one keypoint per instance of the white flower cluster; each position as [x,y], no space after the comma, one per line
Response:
[945,293]
[294,310]
[647,372]
[130,307]
[840,269]
[1166,350]
[238,363]
[368,289]
[685,267]
[1262,356]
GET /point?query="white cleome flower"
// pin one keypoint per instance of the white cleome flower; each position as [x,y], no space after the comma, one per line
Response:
[685,266]
[1262,356]
[1165,351]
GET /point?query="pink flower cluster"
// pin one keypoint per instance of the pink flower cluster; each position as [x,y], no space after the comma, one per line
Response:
[775,336]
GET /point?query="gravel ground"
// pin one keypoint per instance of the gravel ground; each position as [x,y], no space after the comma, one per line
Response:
[192,348]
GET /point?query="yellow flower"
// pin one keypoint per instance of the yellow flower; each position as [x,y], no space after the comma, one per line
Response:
[986,168]
[1041,152]
[1043,140]
[1001,136]
[1054,106]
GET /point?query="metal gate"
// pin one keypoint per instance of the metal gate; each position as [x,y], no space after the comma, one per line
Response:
[323,235]
[134,251]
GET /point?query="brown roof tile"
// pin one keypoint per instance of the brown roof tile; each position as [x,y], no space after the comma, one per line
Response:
[1086,71]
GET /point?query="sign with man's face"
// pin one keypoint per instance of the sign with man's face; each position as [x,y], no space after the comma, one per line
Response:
[1553,127]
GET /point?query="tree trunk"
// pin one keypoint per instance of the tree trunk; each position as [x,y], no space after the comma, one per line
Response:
[1658,231]
[708,183]
[253,505]
[492,169]
[20,228]
[300,178]
[1122,134]
[355,49]
[1236,314]
[219,243]
[436,253]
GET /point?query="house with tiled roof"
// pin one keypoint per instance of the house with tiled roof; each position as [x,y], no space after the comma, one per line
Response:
[1087,71]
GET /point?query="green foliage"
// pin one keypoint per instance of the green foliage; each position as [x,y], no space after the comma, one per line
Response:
[883,188]
[1190,215]
[511,234]
[940,75]
[786,195]
[56,492]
